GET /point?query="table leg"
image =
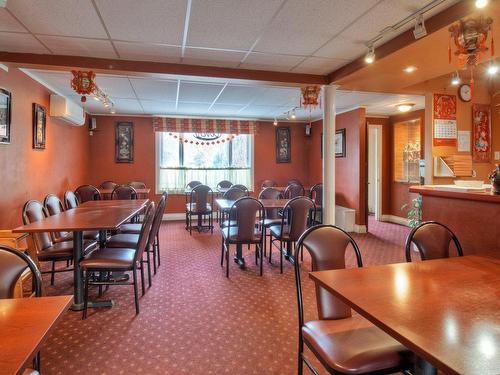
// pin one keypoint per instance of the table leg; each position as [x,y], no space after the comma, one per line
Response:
[77,271]
[422,367]
[102,238]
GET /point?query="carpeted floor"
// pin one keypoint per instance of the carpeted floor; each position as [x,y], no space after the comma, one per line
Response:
[194,320]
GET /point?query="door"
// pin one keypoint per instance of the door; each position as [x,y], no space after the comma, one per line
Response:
[374,170]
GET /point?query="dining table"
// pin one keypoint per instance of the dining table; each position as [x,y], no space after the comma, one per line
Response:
[25,323]
[140,191]
[101,215]
[447,311]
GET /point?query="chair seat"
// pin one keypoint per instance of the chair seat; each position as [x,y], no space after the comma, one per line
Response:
[128,240]
[276,232]
[62,251]
[130,228]
[231,234]
[354,346]
[110,258]
[87,235]
[271,222]
[195,209]
[226,223]
[30,371]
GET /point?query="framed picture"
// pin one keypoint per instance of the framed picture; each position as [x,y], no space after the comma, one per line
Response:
[481,130]
[5,103]
[124,142]
[340,151]
[283,145]
[39,127]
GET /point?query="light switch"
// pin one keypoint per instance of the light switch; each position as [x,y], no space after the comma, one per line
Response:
[497,155]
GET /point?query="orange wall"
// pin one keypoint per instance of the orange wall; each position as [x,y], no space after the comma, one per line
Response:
[103,166]
[31,174]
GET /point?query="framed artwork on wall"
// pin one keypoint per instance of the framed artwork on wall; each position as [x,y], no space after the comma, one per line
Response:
[39,127]
[283,145]
[481,130]
[5,116]
[124,142]
[340,150]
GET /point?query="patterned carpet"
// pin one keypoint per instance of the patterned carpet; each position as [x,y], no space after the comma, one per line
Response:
[195,321]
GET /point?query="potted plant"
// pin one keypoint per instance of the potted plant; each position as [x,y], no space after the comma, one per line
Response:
[414,212]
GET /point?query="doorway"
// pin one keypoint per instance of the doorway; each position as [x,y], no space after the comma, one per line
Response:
[375,171]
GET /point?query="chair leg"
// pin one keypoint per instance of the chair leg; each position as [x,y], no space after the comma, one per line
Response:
[148,261]
[222,253]
[136,293]
[36,362]
[86,295]
[260,247]
[256,255]
[281,257]
[187,223]
[270,247]
[190,224]
[300,362]
[227,260]
[153,248]
[141,263]
[301,252]
[158,248]
[53,273]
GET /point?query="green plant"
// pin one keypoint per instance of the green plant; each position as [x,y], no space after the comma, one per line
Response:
[414,212]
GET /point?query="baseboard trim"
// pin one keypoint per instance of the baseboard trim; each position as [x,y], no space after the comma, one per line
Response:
[395,219]
[360,228]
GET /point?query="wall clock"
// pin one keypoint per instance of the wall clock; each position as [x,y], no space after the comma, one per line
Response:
[465,93]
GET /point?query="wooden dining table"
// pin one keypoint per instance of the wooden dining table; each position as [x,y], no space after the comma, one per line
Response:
[446,311]
[93,215]
[139,191]
[25,323]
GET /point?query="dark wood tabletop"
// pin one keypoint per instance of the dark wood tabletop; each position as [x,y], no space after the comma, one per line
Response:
[138,190]
[114,203]
[25,323]
[447,311]
[225,204]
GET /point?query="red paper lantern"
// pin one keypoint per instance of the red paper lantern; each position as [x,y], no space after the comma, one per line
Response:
[83,83]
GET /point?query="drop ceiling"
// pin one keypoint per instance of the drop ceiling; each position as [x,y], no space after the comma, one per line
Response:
[188,96]
[302,36]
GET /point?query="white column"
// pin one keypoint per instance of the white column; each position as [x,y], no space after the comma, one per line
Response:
[329,154]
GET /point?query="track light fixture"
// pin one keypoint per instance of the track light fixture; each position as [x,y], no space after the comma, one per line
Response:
[419,31]
[370,55]
[455,79]
[275,122]
[481,3]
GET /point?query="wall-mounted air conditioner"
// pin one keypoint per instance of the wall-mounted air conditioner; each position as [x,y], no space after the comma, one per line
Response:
[67,110]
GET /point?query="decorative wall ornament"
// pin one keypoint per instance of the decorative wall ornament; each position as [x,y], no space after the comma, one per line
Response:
[283,145]
[310,97]
[124,142]
[481,128]
[83,83]
[444,120]
[39,127]
[340,143]
[203,140]
[210,126]
[5,116]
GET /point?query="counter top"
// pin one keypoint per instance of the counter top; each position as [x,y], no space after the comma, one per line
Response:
[484,196]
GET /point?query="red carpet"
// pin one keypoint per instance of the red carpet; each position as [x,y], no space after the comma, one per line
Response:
[195,321]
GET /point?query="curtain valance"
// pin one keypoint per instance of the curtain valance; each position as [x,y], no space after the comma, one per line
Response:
[191,125]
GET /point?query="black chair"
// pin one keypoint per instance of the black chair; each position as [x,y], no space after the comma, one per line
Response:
[268,183]
[86,193]
[224,184]
[104,261]
[13,263]
[242,187]
[124,192]
[316,194]
[200,207]
[247,211]
[139,185]
[273,216]
[232,194]
[107,185]
[294,190]
[70,200]
[342,342]
[432,240]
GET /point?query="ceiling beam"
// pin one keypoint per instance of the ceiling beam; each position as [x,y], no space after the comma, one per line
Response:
[433,24]
[117,66]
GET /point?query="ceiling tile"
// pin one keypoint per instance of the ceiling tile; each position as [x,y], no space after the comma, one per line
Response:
[148,52]
[115,87]
[229,24]
[226,110]
[236,94]
[9,23]
[342,47]
[69,18]
[79,47]
[154,89]
[319,65]
[210,57]
[270,62]
[58,81]
[194,109]
[198,92]
[279,96]
[144,21]
[15,42]
[128,106]
[153,107]
[301,27]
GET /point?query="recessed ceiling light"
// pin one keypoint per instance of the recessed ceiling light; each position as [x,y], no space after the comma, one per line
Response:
[481,3]
[293,116]
[405,107]
[275,122]
[409,69]
[493,69]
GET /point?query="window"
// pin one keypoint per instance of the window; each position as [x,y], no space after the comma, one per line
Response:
[407,151]
[178,163]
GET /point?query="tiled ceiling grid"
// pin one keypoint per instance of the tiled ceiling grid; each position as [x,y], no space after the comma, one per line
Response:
[303,36]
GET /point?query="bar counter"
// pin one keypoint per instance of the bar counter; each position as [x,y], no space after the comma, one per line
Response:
[473,216]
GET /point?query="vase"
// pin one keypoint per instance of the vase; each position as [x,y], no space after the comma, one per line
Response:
[495,180]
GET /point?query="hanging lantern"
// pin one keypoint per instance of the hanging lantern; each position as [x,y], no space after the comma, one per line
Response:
[310,96]
[83,83]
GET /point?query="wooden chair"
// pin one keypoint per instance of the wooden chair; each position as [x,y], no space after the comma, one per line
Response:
[200,207]
[106,260]
[432,240]
[342,342]
[242,231]
[86,193]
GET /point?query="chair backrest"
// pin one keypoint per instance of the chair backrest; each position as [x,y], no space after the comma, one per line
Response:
[247,211]
[70,200]
[137,184]
[54,206]
[108,185]
[294,181]
[271,193]
[34,211]
[293,190]
[86,193]
[199,196]
[224,184]
[241,187]
[268,183]
[432,240]
[12,264]
[143,241]
[297,213]
[327,247]
[124,192]
[234,193]
[193,184]
[155,226]
[316,194]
